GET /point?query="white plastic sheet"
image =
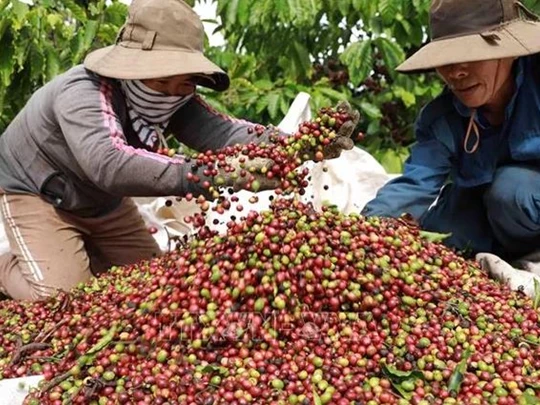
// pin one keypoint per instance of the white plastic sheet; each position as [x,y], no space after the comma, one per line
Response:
[14,390]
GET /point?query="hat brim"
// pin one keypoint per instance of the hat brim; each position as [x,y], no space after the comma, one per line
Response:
[515,39]
[122,62]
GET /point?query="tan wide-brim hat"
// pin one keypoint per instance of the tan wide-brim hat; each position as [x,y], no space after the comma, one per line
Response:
[161,38]
[475,30]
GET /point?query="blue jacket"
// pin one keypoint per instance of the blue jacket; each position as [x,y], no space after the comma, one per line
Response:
[438,155]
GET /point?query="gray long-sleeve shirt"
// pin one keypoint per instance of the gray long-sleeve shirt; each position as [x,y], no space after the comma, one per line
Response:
[73,145]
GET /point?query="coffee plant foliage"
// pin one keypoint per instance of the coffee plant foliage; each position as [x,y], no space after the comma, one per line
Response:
[333,50]
[43,38]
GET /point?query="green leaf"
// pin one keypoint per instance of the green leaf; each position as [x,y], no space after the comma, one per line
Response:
[374,128]
[4,4]
[388,10]
[359,59]
[320,100]
[53,64]
[392,161]
[417,34]
[20,10]
[3,120]
[273,104]
[405,25]
[37,62]
[344,7]
[456,379]
[316,398]
[210,369]
[421,4]
[243,12]
[262,104]
[6,64]
[96,9]
[264,84]
[21,53]
[301,60]
[334,95]
[281,8]
[77,11]
[402,380]
[536,302]
[436,89]
[302,11]
[528,399]
[232,12]
[367,8]
[243,68]
[77,46]
[90,29]
[55,19]
[391,52]
[116,14]
[376,24]
[408,98]
[283,105]
[310,9]
[396,375]
[371,110]
[358,4]
[420,90]
[434,236]
[4,24]
[222,7]
[104,341]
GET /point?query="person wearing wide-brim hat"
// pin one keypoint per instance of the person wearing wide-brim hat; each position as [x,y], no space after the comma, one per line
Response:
[480,139]
[88,140]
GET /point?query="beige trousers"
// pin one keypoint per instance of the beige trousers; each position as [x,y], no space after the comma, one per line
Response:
[52,250]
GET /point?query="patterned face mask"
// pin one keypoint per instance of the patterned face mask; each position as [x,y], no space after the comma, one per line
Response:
[150,110]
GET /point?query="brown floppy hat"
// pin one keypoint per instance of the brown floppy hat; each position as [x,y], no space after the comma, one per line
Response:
[475,30]
[160,38]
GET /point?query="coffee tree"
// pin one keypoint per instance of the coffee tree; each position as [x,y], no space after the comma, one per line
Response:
[46,37]
[331,49]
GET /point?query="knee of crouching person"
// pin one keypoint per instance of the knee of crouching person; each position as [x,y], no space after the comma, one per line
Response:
[41,293]
[514,198]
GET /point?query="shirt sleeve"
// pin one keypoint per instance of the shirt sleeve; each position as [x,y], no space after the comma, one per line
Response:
[425,172]
[95,136]
[201,127]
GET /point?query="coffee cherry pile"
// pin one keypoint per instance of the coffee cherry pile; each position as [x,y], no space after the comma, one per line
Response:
[290,306]
[287,154]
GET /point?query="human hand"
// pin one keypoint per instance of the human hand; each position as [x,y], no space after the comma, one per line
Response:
[517,279]
[343,139]
[242,173]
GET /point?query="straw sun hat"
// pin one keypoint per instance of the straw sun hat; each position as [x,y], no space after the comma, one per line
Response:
[161,38]
[475,30]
